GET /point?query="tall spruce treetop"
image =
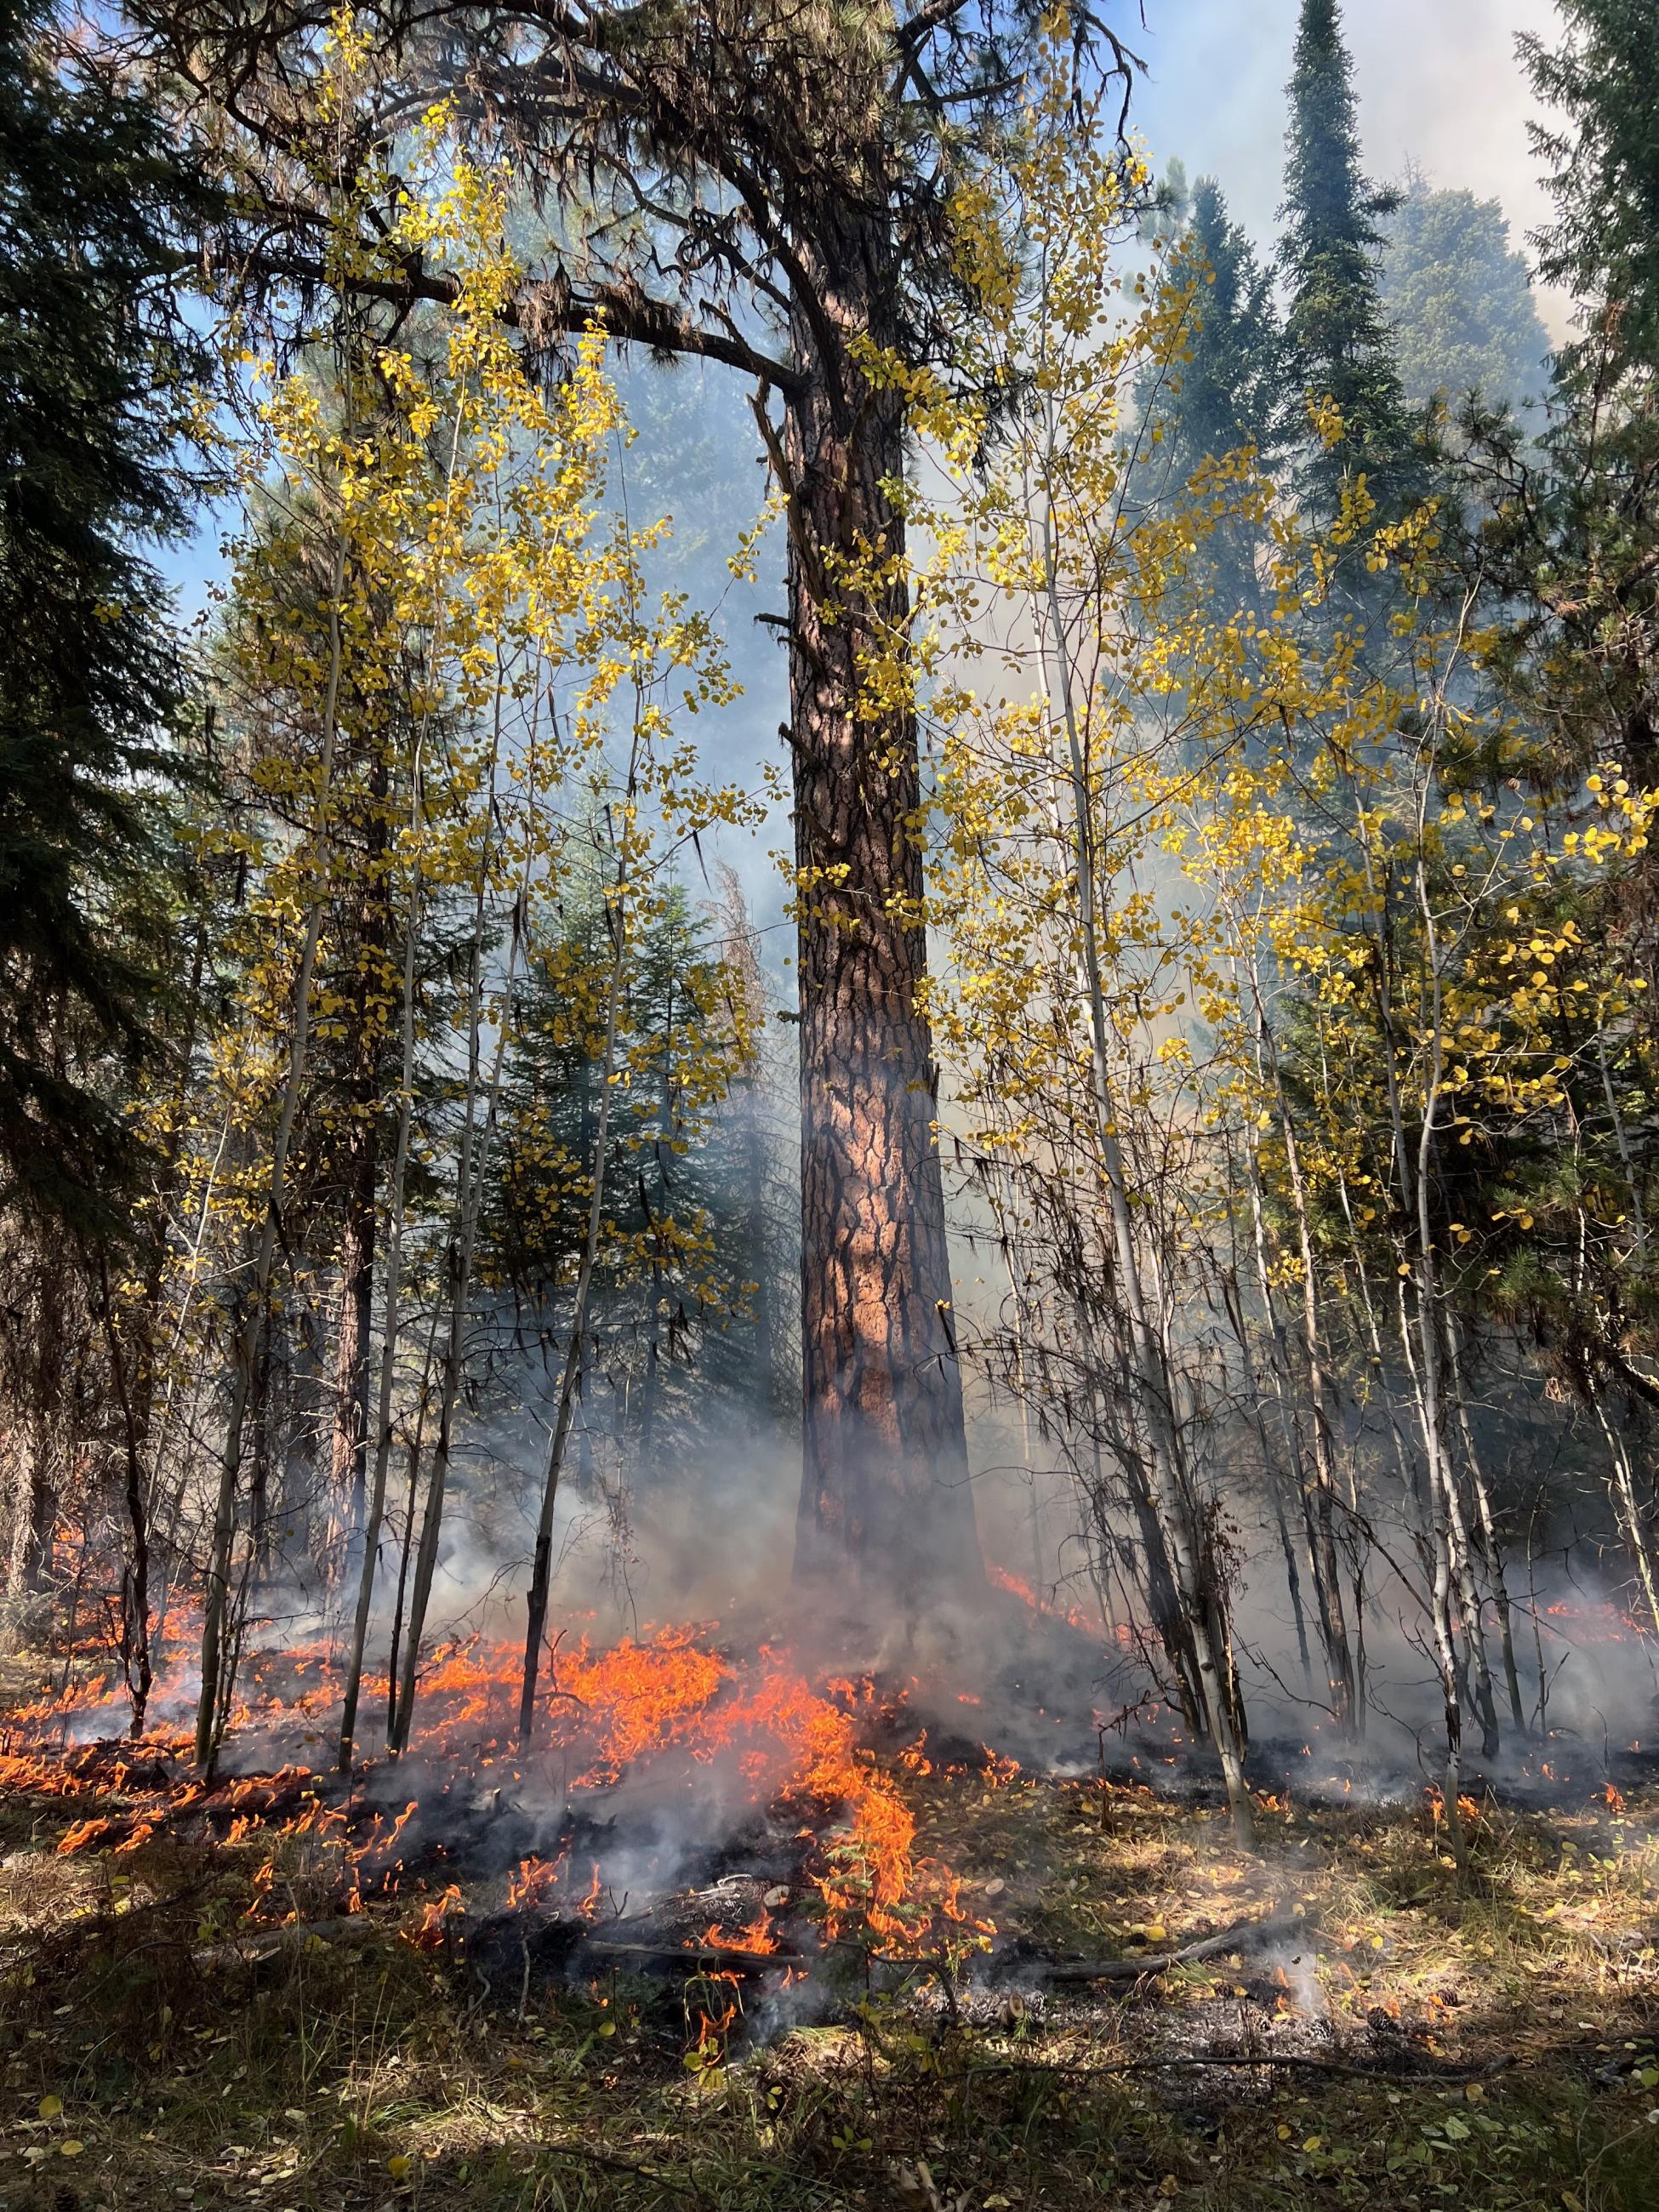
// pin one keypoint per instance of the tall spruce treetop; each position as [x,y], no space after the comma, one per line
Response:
[1575,544]
[92,362]
[1337,333]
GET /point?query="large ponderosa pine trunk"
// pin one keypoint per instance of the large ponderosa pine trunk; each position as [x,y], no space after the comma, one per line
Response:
[886,1520]
[799,166]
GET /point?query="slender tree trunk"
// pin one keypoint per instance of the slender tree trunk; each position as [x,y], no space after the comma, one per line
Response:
[35,1451]
[477,1132]
[1490,1543]
[1023,1398]
[405,1549]
[354,1329]
[1434,1437]
[1280,1359]
[1163,1599]
[1443,1520]
[1170,1491]
[259,1486]
[374,1512]
[1470,1607]
[348,1453]
[885,1529]
[1272,1473]
[27,1508]
[136,1662]
[252,1318]
[1319,1496]
[1627,1504]
[541,1573]
[459,1274]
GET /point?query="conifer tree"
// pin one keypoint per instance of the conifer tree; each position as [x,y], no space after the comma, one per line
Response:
[1229,396]
[1336,328]
[1232,388]
[1603,156]
[791,193]
[1459,298]
[1572,542]
[95,366]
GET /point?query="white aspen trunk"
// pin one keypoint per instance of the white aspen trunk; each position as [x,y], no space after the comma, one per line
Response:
[1276,1476]
[1320,1505]
[1491,1544]
[1440,1474]
[1624,1499]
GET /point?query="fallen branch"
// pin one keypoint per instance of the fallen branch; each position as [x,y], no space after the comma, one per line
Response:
[701,1956]
[258,1943]
[1242,1934]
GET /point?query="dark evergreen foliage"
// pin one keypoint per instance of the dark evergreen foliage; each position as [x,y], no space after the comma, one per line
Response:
[1336,328]
[1230,396]
[95,359]
[1573,543]
[689,1250]
[1232,389]
[1604,164]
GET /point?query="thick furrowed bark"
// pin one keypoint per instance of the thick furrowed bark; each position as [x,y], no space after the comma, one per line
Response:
[886,1520]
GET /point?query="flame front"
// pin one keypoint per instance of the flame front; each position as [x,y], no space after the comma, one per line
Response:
[658,1709]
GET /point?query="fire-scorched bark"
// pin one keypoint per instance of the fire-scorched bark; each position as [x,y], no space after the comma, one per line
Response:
[886,1518]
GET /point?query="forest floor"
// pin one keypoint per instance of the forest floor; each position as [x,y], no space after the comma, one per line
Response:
[1489,2044]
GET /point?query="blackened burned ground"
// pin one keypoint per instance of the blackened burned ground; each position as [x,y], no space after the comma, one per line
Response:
[1489,2046]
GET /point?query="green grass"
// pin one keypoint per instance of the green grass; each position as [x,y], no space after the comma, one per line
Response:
[335,2078]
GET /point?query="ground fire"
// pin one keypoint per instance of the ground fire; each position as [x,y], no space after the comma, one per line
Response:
[829,1106]
[661,1750]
